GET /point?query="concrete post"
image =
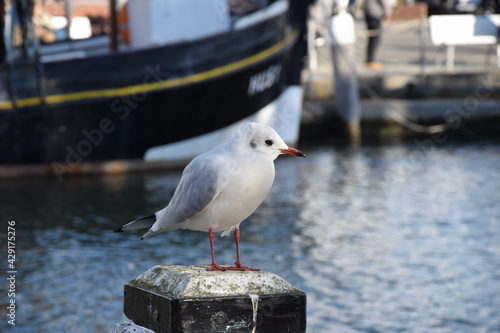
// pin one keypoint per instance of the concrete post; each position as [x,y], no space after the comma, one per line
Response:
[191,299]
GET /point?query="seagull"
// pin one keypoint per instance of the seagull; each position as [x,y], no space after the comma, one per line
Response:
[221,187]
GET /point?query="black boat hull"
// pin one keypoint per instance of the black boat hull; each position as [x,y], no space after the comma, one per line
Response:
[116,107]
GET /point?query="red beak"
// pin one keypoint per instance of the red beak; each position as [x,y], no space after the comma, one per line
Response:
[293,151]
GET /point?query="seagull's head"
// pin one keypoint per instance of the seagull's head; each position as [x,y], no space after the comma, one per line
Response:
[264,139]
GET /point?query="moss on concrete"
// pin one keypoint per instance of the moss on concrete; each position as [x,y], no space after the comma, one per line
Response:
[196,281]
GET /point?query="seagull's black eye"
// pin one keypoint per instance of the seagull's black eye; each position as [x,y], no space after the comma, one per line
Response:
[269,142]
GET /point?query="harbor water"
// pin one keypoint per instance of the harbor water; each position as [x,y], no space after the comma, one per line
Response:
[400,237]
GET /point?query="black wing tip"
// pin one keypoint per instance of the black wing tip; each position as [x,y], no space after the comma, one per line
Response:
[120,229]
[142,238]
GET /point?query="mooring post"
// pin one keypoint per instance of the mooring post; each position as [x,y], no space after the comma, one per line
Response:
[191,299]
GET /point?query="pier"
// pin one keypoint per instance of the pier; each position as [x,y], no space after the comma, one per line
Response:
[415,89]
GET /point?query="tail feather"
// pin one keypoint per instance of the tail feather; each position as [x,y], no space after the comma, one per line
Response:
[142,223]
[150,233]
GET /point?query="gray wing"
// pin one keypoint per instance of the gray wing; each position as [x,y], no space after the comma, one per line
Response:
[199,185]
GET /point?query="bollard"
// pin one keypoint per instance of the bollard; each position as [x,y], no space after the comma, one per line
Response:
[191,299]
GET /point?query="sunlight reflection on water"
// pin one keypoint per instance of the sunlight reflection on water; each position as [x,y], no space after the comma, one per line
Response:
[378,244]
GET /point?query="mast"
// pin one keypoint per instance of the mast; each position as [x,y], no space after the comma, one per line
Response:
[114,27]
[67,10]
[24,9]
[3,50]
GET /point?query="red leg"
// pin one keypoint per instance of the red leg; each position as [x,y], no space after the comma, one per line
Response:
[238,266]
[214,266]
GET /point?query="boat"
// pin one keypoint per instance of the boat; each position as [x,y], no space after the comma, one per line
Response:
[179,79]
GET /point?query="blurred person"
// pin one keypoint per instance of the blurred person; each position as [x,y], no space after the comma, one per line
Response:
[490,7]
[375,12]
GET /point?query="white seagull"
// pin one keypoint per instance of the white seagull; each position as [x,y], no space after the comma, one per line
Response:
[221,188]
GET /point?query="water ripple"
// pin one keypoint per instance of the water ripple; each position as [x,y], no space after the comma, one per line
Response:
[379,244]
